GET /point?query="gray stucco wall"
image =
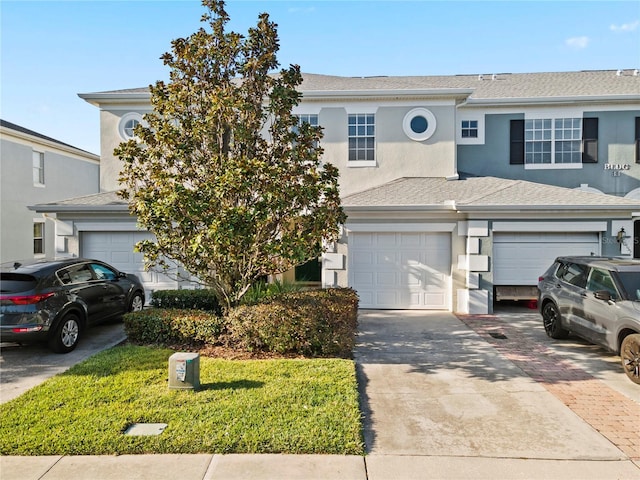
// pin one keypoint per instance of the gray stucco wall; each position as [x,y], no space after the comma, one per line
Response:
[65,177]
[616,145]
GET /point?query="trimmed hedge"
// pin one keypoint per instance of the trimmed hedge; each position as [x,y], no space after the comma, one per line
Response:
[171,326]
[203,299]
[313,323]
[317,323]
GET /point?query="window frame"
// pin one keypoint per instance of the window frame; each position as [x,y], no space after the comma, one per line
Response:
[38,170]
[123,128]
[38,240]
[357,136]
[538,132]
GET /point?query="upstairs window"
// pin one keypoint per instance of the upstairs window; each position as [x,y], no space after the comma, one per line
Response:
[362,138]
[469,129]
[127,125]
[311,119]
[38,168]
[553,142]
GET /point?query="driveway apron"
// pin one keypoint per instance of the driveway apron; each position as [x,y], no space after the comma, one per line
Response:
[431,386]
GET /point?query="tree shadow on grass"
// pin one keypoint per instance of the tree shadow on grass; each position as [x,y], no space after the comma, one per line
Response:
[235,385]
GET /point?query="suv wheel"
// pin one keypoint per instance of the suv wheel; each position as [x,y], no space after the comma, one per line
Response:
[551,322]
[630,357]
[66,335]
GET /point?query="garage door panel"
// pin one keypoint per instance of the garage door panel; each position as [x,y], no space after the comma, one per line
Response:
[411,270]
[116,248]
[520,258]
[386,278]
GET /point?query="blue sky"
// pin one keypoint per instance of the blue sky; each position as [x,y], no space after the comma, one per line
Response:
[53,50]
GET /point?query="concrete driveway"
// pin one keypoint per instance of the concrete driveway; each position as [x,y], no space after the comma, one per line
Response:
[24,366]
[432,386]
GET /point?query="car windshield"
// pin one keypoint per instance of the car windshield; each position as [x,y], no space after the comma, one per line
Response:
[16,282]
[631,284]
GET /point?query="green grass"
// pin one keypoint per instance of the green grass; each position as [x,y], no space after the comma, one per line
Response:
[246,406]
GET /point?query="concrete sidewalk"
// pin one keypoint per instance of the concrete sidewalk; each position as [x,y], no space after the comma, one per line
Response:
[307,467]
[439,401]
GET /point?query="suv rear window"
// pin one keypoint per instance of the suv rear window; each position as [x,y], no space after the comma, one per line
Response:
[16,282]
[573,273]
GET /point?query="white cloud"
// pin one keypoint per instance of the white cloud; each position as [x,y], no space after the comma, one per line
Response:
[577,42]
[625,27]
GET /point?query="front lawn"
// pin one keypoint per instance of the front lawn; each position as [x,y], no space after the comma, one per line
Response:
[243,406]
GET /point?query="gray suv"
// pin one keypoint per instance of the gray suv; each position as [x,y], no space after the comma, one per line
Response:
[598,299]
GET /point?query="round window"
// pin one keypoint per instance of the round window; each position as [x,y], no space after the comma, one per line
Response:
[127,124]
[419,124]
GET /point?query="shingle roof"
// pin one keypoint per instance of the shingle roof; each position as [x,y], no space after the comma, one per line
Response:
[18,128]
[506,86]
[481,193]
[96,201]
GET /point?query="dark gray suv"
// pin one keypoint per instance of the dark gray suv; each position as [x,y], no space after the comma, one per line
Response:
[55,300]
[598,299]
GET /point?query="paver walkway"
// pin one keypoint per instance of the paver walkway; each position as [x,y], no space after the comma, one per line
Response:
[612,414]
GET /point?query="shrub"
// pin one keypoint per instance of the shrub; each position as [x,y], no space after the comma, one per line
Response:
[203,299]
[262,290]
[163,326]
[321,322]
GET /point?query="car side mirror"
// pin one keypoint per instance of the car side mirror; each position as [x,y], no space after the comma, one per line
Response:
[122,275]
[603,295]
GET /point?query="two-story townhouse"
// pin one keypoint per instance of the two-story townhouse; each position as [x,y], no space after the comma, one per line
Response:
[35,168]
[428,226]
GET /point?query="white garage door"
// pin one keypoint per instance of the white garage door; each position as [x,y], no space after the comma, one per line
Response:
[401,270]
[520,258]
[116,248]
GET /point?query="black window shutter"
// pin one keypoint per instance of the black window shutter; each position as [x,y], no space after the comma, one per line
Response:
[589,140]
[516,152]
[637,139]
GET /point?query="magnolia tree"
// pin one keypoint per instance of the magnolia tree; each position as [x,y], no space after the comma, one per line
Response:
[222,172]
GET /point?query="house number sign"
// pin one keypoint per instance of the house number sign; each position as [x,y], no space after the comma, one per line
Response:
[616,169]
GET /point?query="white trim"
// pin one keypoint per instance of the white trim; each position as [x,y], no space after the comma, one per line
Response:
[431,124]
[466,116]
[400,228]
[361,163]
[108,227]
[124,119]
[549,227]
[553,166]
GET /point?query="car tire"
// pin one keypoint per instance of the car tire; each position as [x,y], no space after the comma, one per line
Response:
[552,323]
[137,302]
[630,357]
[66,335]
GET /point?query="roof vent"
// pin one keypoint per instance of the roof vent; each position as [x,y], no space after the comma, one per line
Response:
[635,72]
[619,73]
[494,77]
[480,77]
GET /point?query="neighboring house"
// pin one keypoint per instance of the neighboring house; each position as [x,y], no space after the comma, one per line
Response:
[458,189]
[37,169]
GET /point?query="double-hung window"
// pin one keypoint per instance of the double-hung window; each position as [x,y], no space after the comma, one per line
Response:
[561,142]
[553,141]
[38,168]
[362,139]
[38,238]
[311,119]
